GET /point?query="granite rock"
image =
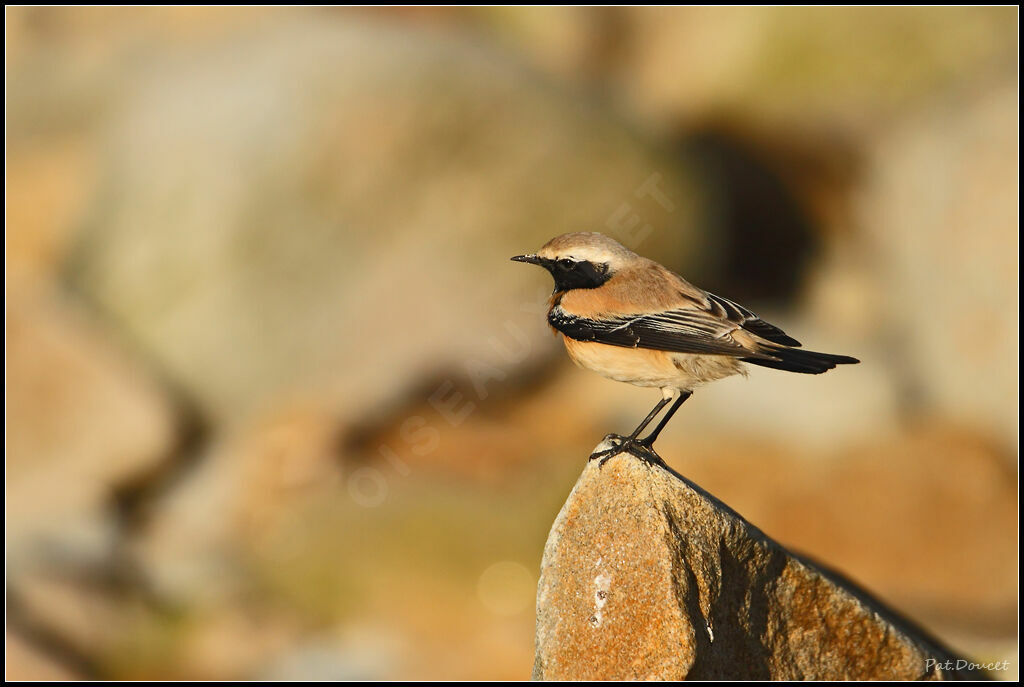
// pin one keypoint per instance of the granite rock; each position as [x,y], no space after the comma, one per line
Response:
[647,576]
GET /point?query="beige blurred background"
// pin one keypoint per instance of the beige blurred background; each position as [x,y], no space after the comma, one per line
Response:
[279,406]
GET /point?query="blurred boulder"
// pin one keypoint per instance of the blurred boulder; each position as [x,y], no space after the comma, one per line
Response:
[65,64]
[24,662]
[247,486]
[647,576]
[327,209]
[80,420]
[802,66]
[940,212]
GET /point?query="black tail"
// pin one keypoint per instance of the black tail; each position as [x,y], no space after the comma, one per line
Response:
[798,360]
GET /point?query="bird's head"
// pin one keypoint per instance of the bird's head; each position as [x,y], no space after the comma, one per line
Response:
[581,260]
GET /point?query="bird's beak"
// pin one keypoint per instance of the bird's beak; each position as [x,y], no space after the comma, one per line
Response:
[532,259]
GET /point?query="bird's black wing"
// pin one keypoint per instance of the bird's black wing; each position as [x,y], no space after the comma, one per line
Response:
[783,352]
[684,330]
[749,321]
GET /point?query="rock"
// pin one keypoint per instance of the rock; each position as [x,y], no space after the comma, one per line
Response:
[647,576]
[917,494]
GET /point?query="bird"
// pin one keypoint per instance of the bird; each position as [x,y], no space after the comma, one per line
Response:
[630,319]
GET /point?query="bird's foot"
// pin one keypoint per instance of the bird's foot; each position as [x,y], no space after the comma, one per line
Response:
[612,444]
[616,444]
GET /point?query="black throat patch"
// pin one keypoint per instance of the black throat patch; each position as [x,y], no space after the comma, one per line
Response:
[570,274]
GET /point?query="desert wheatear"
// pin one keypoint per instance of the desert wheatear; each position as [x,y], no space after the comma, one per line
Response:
[632,320]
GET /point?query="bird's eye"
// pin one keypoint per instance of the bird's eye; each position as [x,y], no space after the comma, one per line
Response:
[566,263]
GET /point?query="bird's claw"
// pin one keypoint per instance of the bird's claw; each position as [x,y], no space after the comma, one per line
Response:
[614,443]
[639,448]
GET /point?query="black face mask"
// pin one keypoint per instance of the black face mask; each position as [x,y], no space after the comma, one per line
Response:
[571,274]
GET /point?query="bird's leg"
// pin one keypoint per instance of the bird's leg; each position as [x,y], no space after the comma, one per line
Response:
[629,443]
[647,420]
[648,441]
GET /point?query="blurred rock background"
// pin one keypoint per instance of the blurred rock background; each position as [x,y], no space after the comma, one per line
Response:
[278,406]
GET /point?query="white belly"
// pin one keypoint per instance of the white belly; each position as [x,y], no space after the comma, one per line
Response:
[643,367]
